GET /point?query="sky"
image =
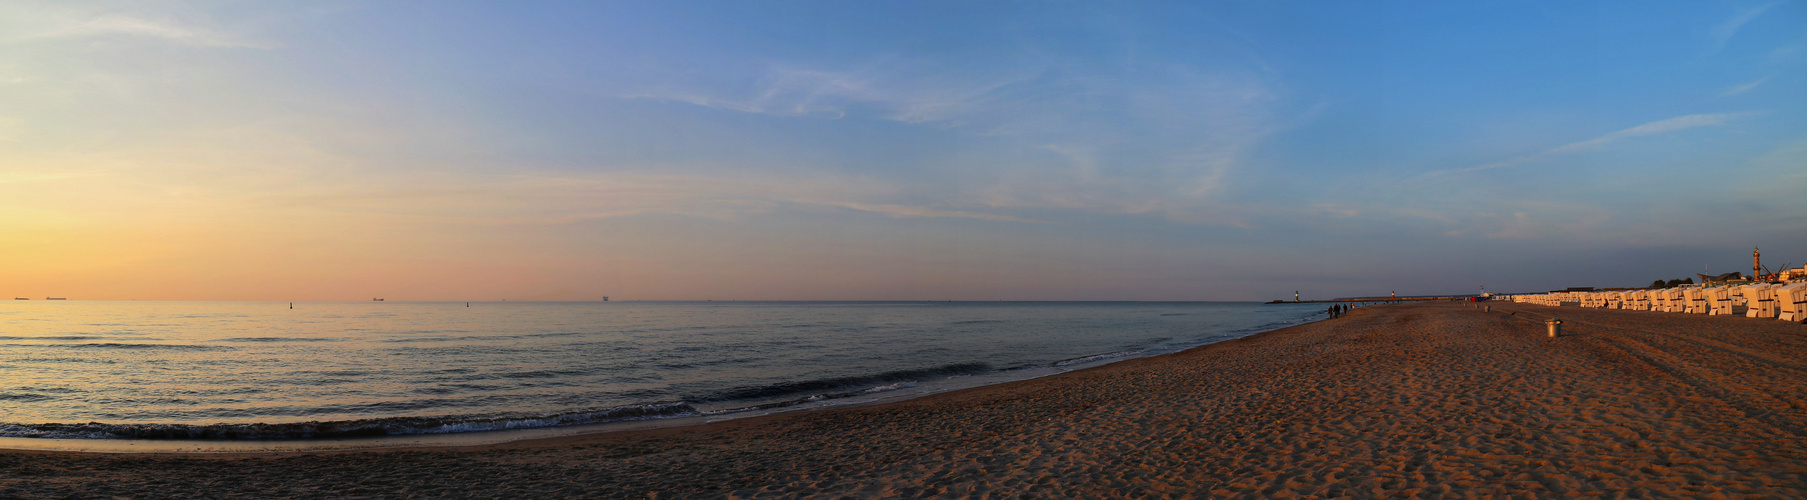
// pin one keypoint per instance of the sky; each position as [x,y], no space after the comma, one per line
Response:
[958,150]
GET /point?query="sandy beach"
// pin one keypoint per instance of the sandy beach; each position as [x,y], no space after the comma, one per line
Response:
[1416,400]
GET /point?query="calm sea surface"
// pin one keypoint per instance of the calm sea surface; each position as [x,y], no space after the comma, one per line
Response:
[261,370]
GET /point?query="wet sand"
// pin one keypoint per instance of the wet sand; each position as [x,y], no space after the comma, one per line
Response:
[1428,400]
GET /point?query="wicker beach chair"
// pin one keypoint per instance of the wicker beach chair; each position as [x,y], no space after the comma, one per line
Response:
[1640,300]
[1759,300]
[1719,301]
[1697,301]
[1791,302]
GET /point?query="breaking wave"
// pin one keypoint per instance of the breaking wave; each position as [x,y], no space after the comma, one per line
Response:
[781,389]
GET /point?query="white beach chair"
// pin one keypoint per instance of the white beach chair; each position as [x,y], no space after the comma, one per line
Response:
[1719,301]
[1673,301]
[1759,300]
[1791,302]
[1697,301]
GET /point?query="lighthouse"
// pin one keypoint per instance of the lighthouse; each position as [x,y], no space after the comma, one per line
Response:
[1756,264]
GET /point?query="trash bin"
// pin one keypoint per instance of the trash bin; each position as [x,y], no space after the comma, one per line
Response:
[1555,326]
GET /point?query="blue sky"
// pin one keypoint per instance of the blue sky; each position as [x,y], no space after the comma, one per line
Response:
[840,150]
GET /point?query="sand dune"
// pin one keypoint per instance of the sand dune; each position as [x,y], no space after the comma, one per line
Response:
[1428,400]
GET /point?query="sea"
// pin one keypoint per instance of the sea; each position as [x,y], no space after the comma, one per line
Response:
[232,370]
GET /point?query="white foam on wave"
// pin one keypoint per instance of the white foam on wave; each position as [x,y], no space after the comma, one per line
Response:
[1099,357]
[889,388]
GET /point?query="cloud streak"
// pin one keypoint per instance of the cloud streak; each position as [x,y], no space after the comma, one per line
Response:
[1724,31]
[544,200]
[908,98]
[1740,89]
[65,26]
[1162,140]
[1653,128]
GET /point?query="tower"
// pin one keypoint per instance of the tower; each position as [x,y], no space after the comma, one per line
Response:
[1756,264]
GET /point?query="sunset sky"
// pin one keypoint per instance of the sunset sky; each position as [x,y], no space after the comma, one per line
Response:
[909,150]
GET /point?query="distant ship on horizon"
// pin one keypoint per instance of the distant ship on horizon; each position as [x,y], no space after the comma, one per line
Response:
[20,298]
[56,298]
[376,300]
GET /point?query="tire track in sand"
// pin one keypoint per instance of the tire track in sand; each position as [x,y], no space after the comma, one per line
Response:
[1707,343]
[1756,405]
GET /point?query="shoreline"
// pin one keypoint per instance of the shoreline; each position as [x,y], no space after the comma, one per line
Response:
[913,390]
[1405,399]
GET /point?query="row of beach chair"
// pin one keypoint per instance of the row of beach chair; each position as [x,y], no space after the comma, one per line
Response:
[1784,301]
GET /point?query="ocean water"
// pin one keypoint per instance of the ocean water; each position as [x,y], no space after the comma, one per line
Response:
[260,370]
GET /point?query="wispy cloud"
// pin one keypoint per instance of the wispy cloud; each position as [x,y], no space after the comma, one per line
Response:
[546,200]
[918,211]
[1724,31]
[128,26]
[1162,142]
[897,94]
[1653,128]
[1788,51]
[1740,89]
